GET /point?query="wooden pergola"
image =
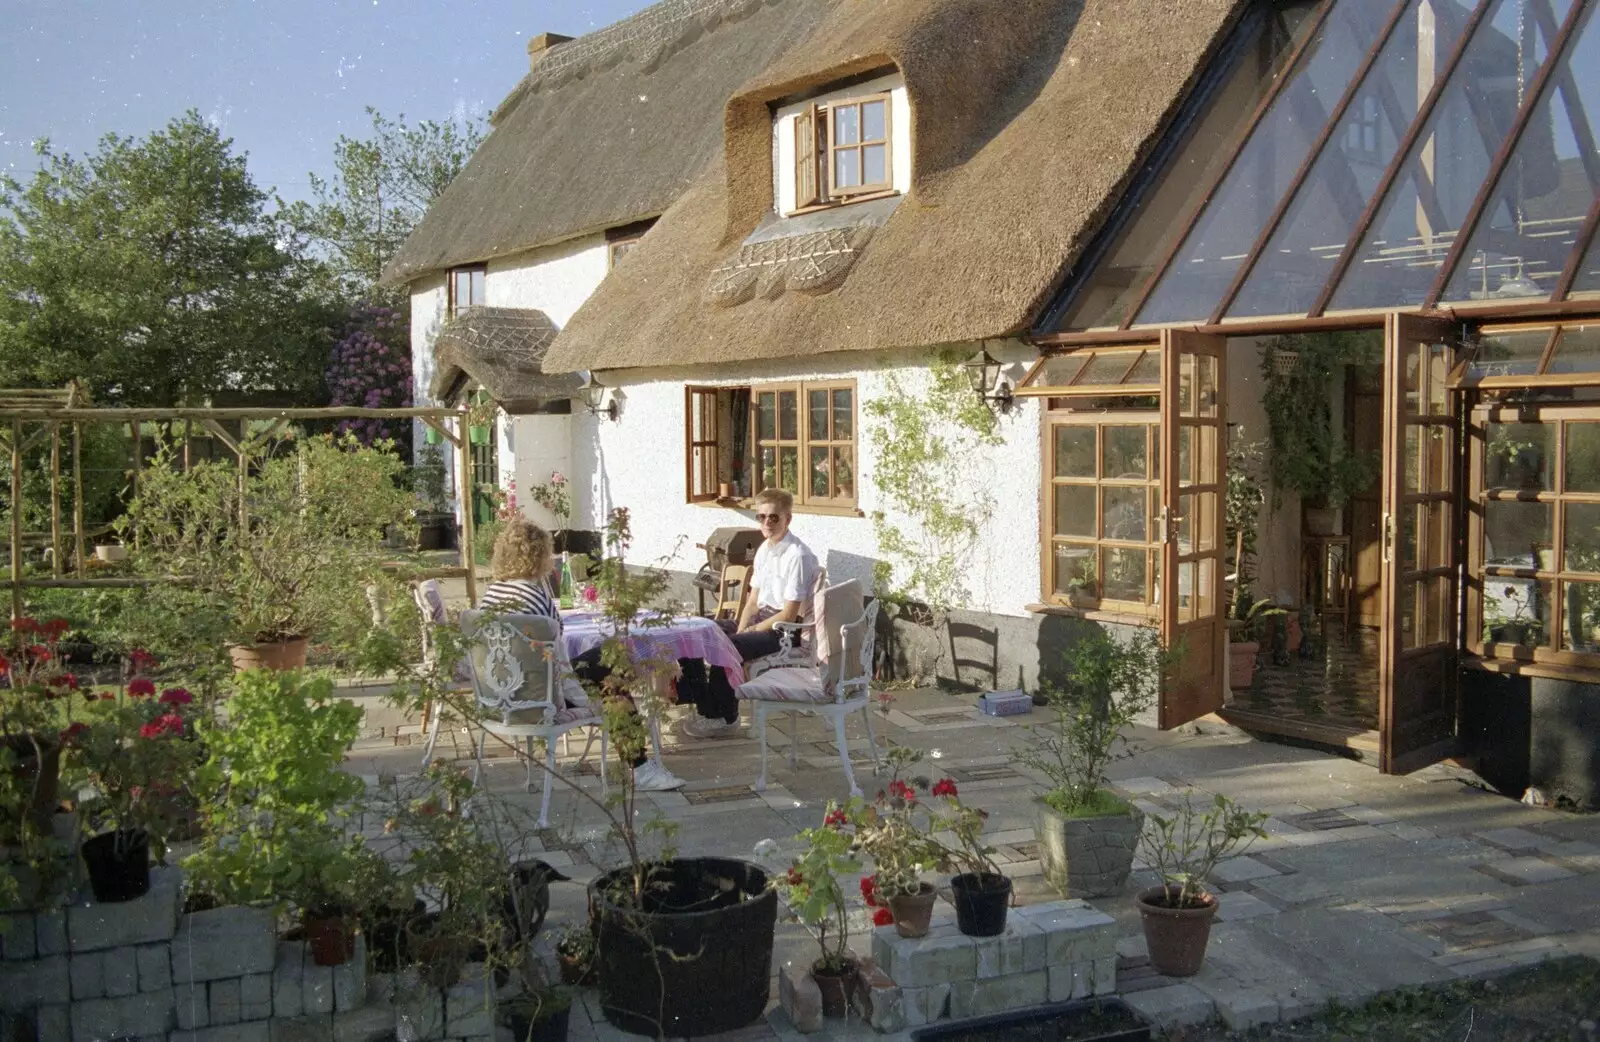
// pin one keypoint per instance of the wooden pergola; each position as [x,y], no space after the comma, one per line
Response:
[49,411]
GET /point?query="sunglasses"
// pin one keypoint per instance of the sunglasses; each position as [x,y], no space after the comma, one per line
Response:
[764,518]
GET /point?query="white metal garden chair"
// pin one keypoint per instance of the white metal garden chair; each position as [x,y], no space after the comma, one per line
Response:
[836,683]
[430,604]
[515,662]
[796,644]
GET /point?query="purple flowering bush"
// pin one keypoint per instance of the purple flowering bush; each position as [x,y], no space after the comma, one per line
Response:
[370,368]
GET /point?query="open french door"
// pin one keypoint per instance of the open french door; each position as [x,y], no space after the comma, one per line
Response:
[1193,482]
[1418,660]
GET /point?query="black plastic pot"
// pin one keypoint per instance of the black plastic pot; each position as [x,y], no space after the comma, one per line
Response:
[119,865]
[389,936]
[552,1028]
[981,900]
[697,954]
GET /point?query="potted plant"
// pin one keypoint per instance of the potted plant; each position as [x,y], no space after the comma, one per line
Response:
[1245,623]
[538,1014]
[555,496]
[135,751]
[1308,456]
[575,954]
[1521,626]
[1184,849]
[292,558]
[36,725]
[1087,833]
[981,891]
[813,894]
[896,830]
[480,418]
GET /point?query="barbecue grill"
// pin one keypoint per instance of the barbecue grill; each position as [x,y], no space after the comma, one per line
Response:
[725,546]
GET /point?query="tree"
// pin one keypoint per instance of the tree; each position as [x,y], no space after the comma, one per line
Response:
[151,271]
[382,186]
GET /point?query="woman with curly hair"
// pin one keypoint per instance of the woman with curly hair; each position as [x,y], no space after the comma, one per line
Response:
[524,559]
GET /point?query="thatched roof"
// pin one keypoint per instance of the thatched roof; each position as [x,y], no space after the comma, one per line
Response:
[604,130]
[1030,118]
[500,350]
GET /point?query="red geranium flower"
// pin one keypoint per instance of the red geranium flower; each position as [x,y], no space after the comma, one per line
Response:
[39,653]
[71,733]
[869,890]
[835,818]
[901,790]
[66,680]
[141,687]
[5,666]
[55,628]
[24,626]
[883,917]
[795,878]
[169,723]
[141,659]
[176,696]
[945,787]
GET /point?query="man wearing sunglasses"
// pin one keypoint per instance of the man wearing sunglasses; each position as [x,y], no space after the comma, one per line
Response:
[780,581]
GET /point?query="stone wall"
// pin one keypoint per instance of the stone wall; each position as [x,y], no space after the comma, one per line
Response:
[141,970]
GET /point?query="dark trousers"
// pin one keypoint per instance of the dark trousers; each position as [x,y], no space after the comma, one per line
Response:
[711,695]
[589,669]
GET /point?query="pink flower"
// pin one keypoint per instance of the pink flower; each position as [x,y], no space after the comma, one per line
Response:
[141,687]
[176,696]
[556,478]
[883,917]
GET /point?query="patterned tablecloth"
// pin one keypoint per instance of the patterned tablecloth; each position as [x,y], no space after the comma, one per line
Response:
[684,636]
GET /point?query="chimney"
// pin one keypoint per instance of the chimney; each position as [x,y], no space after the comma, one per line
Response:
[538,45]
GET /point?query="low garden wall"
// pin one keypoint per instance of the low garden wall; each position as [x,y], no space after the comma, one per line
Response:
[142,970]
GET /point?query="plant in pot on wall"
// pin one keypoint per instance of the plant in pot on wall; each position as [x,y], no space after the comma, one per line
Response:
[575,952]
[981,891]
[1184,849]
[481,415]
[135,750]
[814,895]
[1247,621]
[35,726]
[896,831]
[293,558]
[1087,833]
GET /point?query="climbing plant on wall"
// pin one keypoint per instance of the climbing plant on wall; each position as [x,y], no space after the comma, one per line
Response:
[926,443]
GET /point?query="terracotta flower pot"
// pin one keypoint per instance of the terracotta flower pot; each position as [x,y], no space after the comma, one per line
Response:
[1242,664]
[278,655]
[330,934]
[913,912]
[575,970]
[1176,937]
[1295,634]
[835,987]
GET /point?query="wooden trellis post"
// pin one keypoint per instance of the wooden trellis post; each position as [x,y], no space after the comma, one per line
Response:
[469,557]
[79,544]
[16,519]
[55,500]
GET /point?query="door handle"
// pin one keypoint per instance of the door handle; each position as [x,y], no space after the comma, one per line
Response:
[1388,538]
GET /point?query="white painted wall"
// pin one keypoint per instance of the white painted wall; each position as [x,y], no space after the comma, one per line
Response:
[554,279]
[899,135]
[537,446]
[638,462]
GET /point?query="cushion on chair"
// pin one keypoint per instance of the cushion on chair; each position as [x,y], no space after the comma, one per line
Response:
[785,684]
[835,606]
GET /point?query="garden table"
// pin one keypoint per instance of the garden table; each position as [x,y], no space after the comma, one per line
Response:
[681,636]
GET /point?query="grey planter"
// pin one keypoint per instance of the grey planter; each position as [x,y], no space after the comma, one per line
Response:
[1086,857]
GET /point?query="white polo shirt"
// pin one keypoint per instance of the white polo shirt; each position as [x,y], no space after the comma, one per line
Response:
[783,573]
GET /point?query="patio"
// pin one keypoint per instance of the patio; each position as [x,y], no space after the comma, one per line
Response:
[1367,883]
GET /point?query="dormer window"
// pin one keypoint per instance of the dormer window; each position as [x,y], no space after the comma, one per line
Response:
[843,147]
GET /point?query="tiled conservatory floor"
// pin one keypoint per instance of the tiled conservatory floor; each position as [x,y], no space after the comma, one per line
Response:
[1337,688]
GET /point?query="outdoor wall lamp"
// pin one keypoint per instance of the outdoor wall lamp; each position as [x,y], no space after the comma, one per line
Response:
[594,396]
[983,373]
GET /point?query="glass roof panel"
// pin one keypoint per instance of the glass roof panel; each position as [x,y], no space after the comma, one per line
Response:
[1093,368]
[1578,350]
[1149,233]
[1218,246]
[1399,257]
[1522,243]
[1509,352]
[1299,258]
[1588,280]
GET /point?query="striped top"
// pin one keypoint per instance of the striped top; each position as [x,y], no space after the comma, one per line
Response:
[523,596]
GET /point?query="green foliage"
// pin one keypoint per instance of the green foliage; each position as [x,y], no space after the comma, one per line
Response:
[151,271]
[1242,503]
[896,830]
[927,444]
[313,545]
[1185,847]
[1247,619]
[381,187]
[271,788]
[1109,684]
[1308,456]
[812,891]
[1103,804]
[106,455]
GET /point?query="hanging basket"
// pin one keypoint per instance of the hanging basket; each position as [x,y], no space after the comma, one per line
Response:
[1284,363]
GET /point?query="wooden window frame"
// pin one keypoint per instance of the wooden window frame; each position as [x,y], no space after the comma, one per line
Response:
[1480,574]
[859,147]
[453,307]
[1152,546]
[814,151]
[711,441]
[621,240]
[706,438]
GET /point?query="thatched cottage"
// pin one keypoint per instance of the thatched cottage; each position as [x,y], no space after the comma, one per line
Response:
[1361,233]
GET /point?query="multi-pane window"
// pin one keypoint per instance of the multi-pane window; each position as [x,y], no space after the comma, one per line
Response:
[842,150]
[800,437]
[1104,497]
[466,287]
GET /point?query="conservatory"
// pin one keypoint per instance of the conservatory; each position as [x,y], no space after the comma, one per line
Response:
[1359,278]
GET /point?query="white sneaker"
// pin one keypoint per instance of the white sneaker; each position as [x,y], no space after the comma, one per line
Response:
[650,776]
[700,727]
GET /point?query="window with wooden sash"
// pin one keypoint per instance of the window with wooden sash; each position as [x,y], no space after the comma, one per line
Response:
[842,149]
[621,240]
[466,288]
[800,437]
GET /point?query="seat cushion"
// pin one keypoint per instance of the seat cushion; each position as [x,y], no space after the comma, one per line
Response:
[836,606]
[786,684]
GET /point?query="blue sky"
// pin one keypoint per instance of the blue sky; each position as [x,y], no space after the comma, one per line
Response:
[283,78]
